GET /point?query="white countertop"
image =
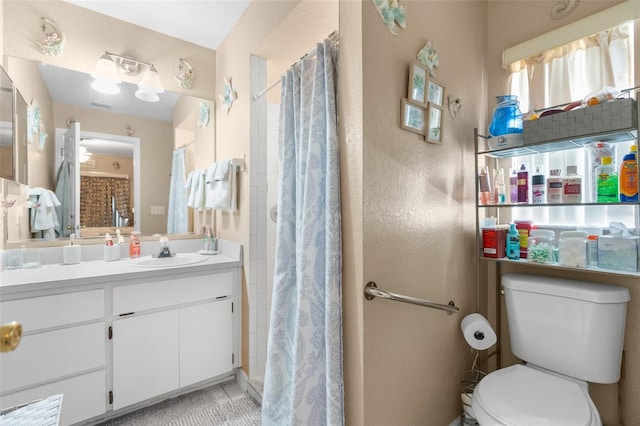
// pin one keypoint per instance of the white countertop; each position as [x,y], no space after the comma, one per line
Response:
[57,275]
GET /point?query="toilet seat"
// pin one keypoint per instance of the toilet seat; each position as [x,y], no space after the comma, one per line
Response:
[520,395]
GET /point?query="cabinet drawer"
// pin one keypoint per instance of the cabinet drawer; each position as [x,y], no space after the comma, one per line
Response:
[84,397]
[52,311]
[162,293]
[46,356]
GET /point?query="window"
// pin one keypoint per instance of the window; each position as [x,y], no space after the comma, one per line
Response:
[562,75]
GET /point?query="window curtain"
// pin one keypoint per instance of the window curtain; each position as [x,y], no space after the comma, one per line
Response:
[303,378]
[569,73]
[97,193]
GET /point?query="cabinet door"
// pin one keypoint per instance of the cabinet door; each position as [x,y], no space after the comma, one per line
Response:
[145,357]
[205,341]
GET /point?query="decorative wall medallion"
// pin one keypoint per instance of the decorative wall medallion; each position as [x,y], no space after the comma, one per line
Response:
[203,116]
[455,103]
[228,95]
[54,38]
[429,57]
[561,10]
[391,13]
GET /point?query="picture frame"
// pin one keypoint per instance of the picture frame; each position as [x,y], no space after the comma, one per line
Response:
[413,117]
[434,92]
[433,130]
[418,77]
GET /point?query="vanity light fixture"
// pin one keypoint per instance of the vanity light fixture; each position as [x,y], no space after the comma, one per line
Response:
[110,66]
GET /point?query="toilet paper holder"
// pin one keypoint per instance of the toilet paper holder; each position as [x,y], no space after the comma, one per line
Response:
[371,291]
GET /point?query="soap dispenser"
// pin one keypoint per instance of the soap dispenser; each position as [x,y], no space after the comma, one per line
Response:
[71,253]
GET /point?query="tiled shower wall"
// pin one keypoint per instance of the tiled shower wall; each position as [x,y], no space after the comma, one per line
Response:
[263,198]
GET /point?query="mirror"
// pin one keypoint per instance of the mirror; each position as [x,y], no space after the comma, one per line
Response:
[124,138]
[6,126]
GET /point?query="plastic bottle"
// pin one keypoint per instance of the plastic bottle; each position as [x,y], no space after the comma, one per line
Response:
[523,184]
[507,117]
[524,228]
[538,187]
[554,187]
[513,243]
[629,176]
[134,245]
[513,186]
[484,187]
[572,186]
[499,194]
[606,182]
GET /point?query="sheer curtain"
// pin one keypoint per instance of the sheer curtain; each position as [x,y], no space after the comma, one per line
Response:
[568,73]
[303,377]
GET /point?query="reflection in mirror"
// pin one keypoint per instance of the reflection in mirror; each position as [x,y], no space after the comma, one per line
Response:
[20,139]
[6,126]
[150,128]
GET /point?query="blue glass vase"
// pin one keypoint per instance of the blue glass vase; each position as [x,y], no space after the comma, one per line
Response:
[507,117]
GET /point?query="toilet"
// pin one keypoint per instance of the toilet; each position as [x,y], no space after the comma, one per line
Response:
[568,333]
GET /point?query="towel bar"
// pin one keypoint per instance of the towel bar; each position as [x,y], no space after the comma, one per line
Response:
[371,291]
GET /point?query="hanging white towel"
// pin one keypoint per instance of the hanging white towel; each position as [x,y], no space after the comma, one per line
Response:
[195,182]
[211,171]
[177,220]
[221,194]
[43,211]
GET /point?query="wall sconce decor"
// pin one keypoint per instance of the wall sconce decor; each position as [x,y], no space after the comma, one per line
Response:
[429,57]
[186,75]
[392,13]
[54,38]
[110,66]
[228,95]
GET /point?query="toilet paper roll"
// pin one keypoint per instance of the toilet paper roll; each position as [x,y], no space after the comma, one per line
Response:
[478,332]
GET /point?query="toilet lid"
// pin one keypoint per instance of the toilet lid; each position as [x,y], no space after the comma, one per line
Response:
[520,395]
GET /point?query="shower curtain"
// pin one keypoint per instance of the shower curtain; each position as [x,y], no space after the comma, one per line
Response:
[303,377]
[177,219]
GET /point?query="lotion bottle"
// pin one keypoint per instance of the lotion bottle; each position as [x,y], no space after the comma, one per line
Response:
[513,243]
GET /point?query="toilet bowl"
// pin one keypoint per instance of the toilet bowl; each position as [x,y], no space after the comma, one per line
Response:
[525,396]
[568,333]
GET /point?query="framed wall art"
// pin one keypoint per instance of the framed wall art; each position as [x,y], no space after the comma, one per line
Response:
[435,92]
[413,117]
[434,125]
[417,83]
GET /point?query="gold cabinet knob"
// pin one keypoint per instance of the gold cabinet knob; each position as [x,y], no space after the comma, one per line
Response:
[10,336]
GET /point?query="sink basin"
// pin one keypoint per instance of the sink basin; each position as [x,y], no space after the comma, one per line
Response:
[166,262]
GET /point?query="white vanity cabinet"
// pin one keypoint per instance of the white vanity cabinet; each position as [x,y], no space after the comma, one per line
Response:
[62,351]
[170,333]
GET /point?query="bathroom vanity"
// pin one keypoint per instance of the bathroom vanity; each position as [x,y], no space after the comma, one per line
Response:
[116,336]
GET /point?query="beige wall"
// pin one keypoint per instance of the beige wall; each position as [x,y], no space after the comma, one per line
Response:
[509,23]
[409,206]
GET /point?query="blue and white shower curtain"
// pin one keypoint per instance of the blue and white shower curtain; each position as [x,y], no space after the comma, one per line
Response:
[177,219]
[303,378]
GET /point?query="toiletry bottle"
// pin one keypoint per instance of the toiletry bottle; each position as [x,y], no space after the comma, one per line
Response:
[108,241]
[554,187]
[606,182]
[484,187]
[524,228]
[513,243]
[572,186]
[537,186]
[523,184]
[513,185]
[134,245]
[499,194]
[206,240]
[629,176]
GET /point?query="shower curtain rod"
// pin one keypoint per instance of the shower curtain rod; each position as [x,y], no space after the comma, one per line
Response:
[311,54]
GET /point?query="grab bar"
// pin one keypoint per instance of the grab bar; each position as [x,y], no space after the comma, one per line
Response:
[371,291]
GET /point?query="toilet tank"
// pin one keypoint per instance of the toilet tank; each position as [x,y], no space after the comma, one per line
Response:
[575,328]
